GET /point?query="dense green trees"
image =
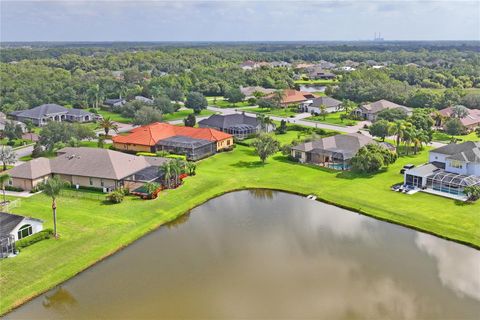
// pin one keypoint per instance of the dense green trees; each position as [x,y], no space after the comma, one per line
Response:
[372,158]
[380,129]
[146,115]
[63,132]
[265,145]
[196,101]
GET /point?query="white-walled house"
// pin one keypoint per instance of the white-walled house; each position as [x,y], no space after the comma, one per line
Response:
[18,227]
[451,168]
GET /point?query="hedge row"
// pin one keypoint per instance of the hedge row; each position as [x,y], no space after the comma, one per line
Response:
[39,236]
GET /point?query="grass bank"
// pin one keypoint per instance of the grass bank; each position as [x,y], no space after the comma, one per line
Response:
[91,230]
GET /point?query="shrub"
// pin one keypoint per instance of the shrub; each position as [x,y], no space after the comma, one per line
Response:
[11,143]
[146,154]
[162,153]
[12,188]
[176,156]
[116,196]
[42,235]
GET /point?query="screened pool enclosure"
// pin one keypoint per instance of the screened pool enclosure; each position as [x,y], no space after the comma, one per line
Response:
[193,149]
[451,182]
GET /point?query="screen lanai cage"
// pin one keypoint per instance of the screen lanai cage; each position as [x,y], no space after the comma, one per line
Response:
[241,131]
[337,159]
[451,182]
[193,149]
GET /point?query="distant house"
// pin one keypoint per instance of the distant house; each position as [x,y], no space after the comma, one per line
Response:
[194,143]
[250,91]
[370,111]
[318,73]
[470,122]
[87,167]
[119,75]
[451,168]
[45,113]
[347,68]
[144,99]
[280,64]
[291,96]
[313,105]
[326,65]
[333,152]
[239,125]
[115,102]
[18,227]
[4,121]
[249,65]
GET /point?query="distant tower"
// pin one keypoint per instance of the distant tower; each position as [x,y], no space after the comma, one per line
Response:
[378,38]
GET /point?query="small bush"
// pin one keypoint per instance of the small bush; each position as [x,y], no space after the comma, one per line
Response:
[12,188]
[116,196]
[146,154]
[42,235]
[162,153]
[176,156]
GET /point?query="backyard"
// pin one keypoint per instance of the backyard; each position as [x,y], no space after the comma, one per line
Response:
[279,112]
[179,115]
[91,230]
[220,102]
[446,138]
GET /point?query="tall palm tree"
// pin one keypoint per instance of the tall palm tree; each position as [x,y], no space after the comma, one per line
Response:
[3,180]
[265,121]
[52,188]
[398,130]
[166,169]
[323,111]
[107,124]
[438,118]
[278,96]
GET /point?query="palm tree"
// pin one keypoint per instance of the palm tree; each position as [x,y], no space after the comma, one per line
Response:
[166,169]
[323,111]
[107,124]
[398,129]
[191,167]
[277,97]
[52,188]
[460,111]
[265,121]
[438,118]
[151,187]
[3,180]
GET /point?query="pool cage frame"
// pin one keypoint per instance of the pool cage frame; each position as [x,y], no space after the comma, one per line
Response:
[193,149]
[7,245]
[451,183]
[336,158]
[241,131]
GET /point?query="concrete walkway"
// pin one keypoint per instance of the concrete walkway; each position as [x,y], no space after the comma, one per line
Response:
[20,194]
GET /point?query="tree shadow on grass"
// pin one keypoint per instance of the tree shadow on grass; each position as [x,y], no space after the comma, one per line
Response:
[248,164]
[462,203]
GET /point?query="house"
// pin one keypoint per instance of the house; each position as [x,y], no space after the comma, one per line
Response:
[45,113]
[334,152]
[249,92]
[157,136]
[87,167]
[280,64]
[239,125]
[317,73]
[249,65]
[115,102]
[326,64]
[470,122]
[144,99]
[450,169]
[118,74]
[313,105]
[347,68]
[370,111]
[18,227]
[291,96]
[4,121]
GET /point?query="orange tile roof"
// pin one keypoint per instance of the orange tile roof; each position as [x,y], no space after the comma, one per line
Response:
[292,96]
[150,134]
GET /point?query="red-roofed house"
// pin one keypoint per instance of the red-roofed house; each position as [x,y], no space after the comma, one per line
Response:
[195,143]
[471,121]
[291,96]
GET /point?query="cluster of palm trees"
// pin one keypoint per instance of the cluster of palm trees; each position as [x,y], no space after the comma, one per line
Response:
[172,171]
[410,135]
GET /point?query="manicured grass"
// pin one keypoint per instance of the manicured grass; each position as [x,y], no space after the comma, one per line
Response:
[91,229]
[319,82]
[446,138]
[333,118]
[18,142]
[93,144]
[182,114]
[281,112]
[114,116]
[221,103]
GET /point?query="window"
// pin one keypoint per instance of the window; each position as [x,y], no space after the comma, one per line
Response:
[91,181]
[456,164]
[228,142]
[101,183]
[10,182]
[298,154]
[24,231]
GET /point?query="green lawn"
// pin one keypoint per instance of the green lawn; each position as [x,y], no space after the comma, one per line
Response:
[220,102]
[182,114]
[333,118]
[91,230]
[446,138]
[114,116]
[281,112]
[18,142]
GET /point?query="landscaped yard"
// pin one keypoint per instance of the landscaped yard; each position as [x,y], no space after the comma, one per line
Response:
[446,138]
[181,114]
[333,118]
[18,142]
[220,102]
[280,112]
[91,230]
[114,116]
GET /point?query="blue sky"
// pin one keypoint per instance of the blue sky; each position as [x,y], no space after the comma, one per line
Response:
[110,20]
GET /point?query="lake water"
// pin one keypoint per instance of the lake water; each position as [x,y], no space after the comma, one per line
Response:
[312,88]
[262,254]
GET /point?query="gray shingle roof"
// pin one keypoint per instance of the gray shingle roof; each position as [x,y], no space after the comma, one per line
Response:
[227,121]
[8,222]
[183,141]
[327,101]
[346,144]
[380,105]
[470,149]
[33,169]
[48,109]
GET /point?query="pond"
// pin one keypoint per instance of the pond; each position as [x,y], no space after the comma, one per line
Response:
[265,254]
[312,88]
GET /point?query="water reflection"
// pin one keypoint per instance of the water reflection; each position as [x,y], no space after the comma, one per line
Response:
[262,193]
[59,299]
[458,266]
[177,222]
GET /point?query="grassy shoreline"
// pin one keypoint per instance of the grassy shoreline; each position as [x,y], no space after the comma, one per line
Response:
[88,238]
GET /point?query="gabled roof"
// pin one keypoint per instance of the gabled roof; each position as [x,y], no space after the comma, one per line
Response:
[33,169]
[9,221]
[380,105]
[229,120]
[473,117]
[327,101]
[293,96]
[48,109]
[149,135]
[467,151]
